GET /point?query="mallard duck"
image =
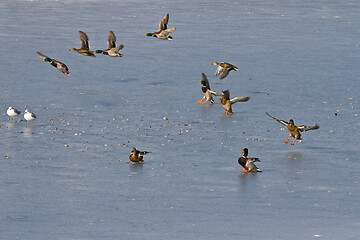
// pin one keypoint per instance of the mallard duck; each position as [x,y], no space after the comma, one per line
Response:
[12,113]
[29,117]
[224,69]
[112,50]
[248,163]
[137,156]
[84,50]
[227,102]
[164,32]
[206,90]
[294,131]
[59,65]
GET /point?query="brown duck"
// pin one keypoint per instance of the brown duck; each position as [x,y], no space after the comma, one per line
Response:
[137,156]
[227,102]
[84,50]
[294,131]
[224,69]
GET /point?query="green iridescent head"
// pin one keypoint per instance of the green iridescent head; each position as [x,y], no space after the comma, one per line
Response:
[203,83]
[149,34]
[46,60]
[98,51]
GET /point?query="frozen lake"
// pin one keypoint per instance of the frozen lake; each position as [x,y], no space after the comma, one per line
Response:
[66,178]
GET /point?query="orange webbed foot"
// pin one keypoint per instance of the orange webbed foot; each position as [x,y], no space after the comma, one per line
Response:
[244,171]
[128,162]
[286,141]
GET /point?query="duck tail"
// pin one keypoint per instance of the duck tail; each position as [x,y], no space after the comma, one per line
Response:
[258,170]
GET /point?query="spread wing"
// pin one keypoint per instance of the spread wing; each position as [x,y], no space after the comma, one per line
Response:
[306,128]
[280,121]
[163,23]
[226,95]
[225,72]
[116,49]
[41,55]
[219,70]
[204,78]
[111,40]
[239,99]
[143,153]
[84,40]
[253,160]
[215,93]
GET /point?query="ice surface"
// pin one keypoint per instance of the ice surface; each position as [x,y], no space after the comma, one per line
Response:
[66,178]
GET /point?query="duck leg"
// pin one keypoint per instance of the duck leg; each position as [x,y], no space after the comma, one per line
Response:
[204,102]
[244,171]
[287,140]
[293,143]
[128,161]
[201,100]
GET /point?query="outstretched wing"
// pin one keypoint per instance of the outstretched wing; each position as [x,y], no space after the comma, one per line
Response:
[215,93]
[165,33]
[84,40]
[239,99]
[253,160]
[143,153]
[111,40]
[219,70]
[41,55]
[163,23]
[306,128]
[280,121]
[116,49]
[204,78]
[226,95]
[225,72]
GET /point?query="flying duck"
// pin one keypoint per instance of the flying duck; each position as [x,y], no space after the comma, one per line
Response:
[164,32]
[294,131]
[224,69]
[227,102]
[59,65]
[206,90]
[112,50]
[85,49]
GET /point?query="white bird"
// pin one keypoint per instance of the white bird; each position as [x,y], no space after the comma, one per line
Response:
[12,113]
[29,117]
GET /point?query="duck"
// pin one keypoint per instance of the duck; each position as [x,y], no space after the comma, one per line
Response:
[248,163]
[59,65]
[224,68]
[12,113]
[294,131]
[208,93]
[164,32]
[137,156]
[84,50]
[29,117]
[112,50]
[227,102]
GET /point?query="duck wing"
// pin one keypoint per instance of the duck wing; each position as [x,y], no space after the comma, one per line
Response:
[219,70]
[225,72]
[116,49]
[239,99]
[204,78]
[280,121]
[41,55]
[163,23]
[306,128]
[84,41]
[111,40]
